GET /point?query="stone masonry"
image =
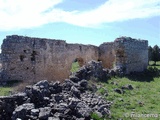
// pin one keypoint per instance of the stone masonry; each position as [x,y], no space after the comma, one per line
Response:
[26,58]
[125,52]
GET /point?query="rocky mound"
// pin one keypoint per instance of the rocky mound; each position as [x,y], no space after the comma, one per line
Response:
[74,99]
[44,100]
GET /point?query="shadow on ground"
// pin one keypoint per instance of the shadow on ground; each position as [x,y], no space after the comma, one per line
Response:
[146,76]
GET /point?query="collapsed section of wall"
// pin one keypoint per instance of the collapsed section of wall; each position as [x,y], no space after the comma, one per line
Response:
[26,58]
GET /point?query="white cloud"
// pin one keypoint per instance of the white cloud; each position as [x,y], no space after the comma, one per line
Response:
[116,10]
[19,14]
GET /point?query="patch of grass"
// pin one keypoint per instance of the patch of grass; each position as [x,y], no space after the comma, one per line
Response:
[95,116]
[143,99]
[4,91]
[8,87]
[75,67]
[137,103]
[102,91]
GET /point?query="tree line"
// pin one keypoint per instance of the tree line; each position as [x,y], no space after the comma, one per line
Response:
[154,53]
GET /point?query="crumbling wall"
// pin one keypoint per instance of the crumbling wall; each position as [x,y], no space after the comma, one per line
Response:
[32,59]
[134,54]
[129,54]
[26,58]
[107,54]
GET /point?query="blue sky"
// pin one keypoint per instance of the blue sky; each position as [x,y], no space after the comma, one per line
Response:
[81,21]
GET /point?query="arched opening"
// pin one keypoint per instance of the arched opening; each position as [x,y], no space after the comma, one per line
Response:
[76,64]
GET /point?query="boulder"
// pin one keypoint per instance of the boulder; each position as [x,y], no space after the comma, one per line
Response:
[117,90]
[55,87]
[74,78]
[83,83]
[75,92]
[42,83]
[23,111]
[44,113]
[127,87]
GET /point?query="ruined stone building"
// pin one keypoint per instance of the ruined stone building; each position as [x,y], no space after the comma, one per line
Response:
[26,58]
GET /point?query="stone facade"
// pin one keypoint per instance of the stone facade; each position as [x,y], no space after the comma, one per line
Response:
[26,58]
[132,54]
[125,52]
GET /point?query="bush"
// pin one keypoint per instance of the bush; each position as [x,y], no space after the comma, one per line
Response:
[153,71]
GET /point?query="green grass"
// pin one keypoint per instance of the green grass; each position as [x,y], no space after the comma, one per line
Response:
[75,67]
[142,100]
[96,117]
[4,91]
[146,93]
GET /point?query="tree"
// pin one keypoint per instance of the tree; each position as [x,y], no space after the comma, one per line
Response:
[150,50]
[155,54]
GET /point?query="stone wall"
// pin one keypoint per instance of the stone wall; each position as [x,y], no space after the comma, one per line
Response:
[133,54]
[26,58]
[125,52]
[107,54]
